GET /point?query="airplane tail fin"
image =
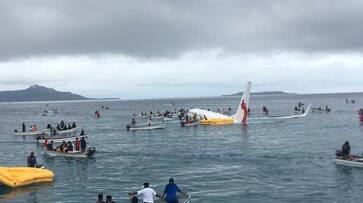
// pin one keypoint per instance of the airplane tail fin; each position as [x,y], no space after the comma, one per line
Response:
[241,115]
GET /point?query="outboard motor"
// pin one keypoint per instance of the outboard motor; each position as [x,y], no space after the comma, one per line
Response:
[91,151]
[338,153]
[128,127]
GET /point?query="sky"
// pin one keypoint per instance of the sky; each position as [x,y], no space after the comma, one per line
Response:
[157,48]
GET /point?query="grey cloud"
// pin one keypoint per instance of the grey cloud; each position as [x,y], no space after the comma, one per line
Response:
[158,28]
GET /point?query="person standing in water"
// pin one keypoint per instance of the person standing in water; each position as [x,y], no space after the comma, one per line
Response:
[170,191]
[32,160]
[147,193]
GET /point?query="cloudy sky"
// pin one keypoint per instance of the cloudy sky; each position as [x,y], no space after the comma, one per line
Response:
[153,48]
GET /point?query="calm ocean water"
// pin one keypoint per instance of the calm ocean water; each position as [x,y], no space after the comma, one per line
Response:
[286,161]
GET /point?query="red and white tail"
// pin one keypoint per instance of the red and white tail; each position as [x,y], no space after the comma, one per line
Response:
[241,116]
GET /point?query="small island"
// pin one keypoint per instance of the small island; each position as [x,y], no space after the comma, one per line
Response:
[38,93]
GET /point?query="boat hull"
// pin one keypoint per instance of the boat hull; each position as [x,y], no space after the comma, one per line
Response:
[33,133]
[72,154]
[353,163]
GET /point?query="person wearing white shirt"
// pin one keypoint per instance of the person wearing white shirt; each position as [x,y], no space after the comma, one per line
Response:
[147,193]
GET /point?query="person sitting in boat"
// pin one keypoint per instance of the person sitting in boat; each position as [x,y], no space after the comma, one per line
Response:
[83,144]
[58,127]
[346,150]
[170,191]
[303,110]
[62,124]
[69,147]
[62,147]
[133,122]
[45,144]
[50,146]
[32,160]
[77,144]
[49,126]
[147,193]
[82,132]
[54,132]
[69,126]
[74,125]
[23,127]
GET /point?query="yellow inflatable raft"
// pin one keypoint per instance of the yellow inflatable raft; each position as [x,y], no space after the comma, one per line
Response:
[20,176]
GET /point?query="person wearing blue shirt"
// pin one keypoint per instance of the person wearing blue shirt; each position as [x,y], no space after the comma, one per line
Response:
[31,160]
[170,192]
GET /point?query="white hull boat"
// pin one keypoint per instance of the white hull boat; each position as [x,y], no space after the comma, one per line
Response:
[145,126]
[62,132]
[75,154]
[33,133]
[189,124]
[60,139]
[357,162]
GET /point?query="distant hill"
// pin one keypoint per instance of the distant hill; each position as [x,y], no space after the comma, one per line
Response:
[37,93]
[259,93]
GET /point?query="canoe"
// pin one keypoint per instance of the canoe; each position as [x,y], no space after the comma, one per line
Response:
[60,139]
[20,176]
[181,198]
[32,133]
[91,151]
[357,162]
[145,126]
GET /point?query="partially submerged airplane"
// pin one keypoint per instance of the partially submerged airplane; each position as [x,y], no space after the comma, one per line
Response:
[240,117]
[213,118]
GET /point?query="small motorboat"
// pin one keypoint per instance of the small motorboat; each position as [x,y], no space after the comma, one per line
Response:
[353,161]
[32,133]
[20,176]
[319,109]
[348,160]
[91,151]
[146,126]
[189,124]
[59,139]
[69,131]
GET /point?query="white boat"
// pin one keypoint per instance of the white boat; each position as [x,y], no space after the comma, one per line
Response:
[145,126]
[76,154]
[33,133]
[190,124]
[357,162]
[62,132]
[181,198]
[60,139]
[320,109]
